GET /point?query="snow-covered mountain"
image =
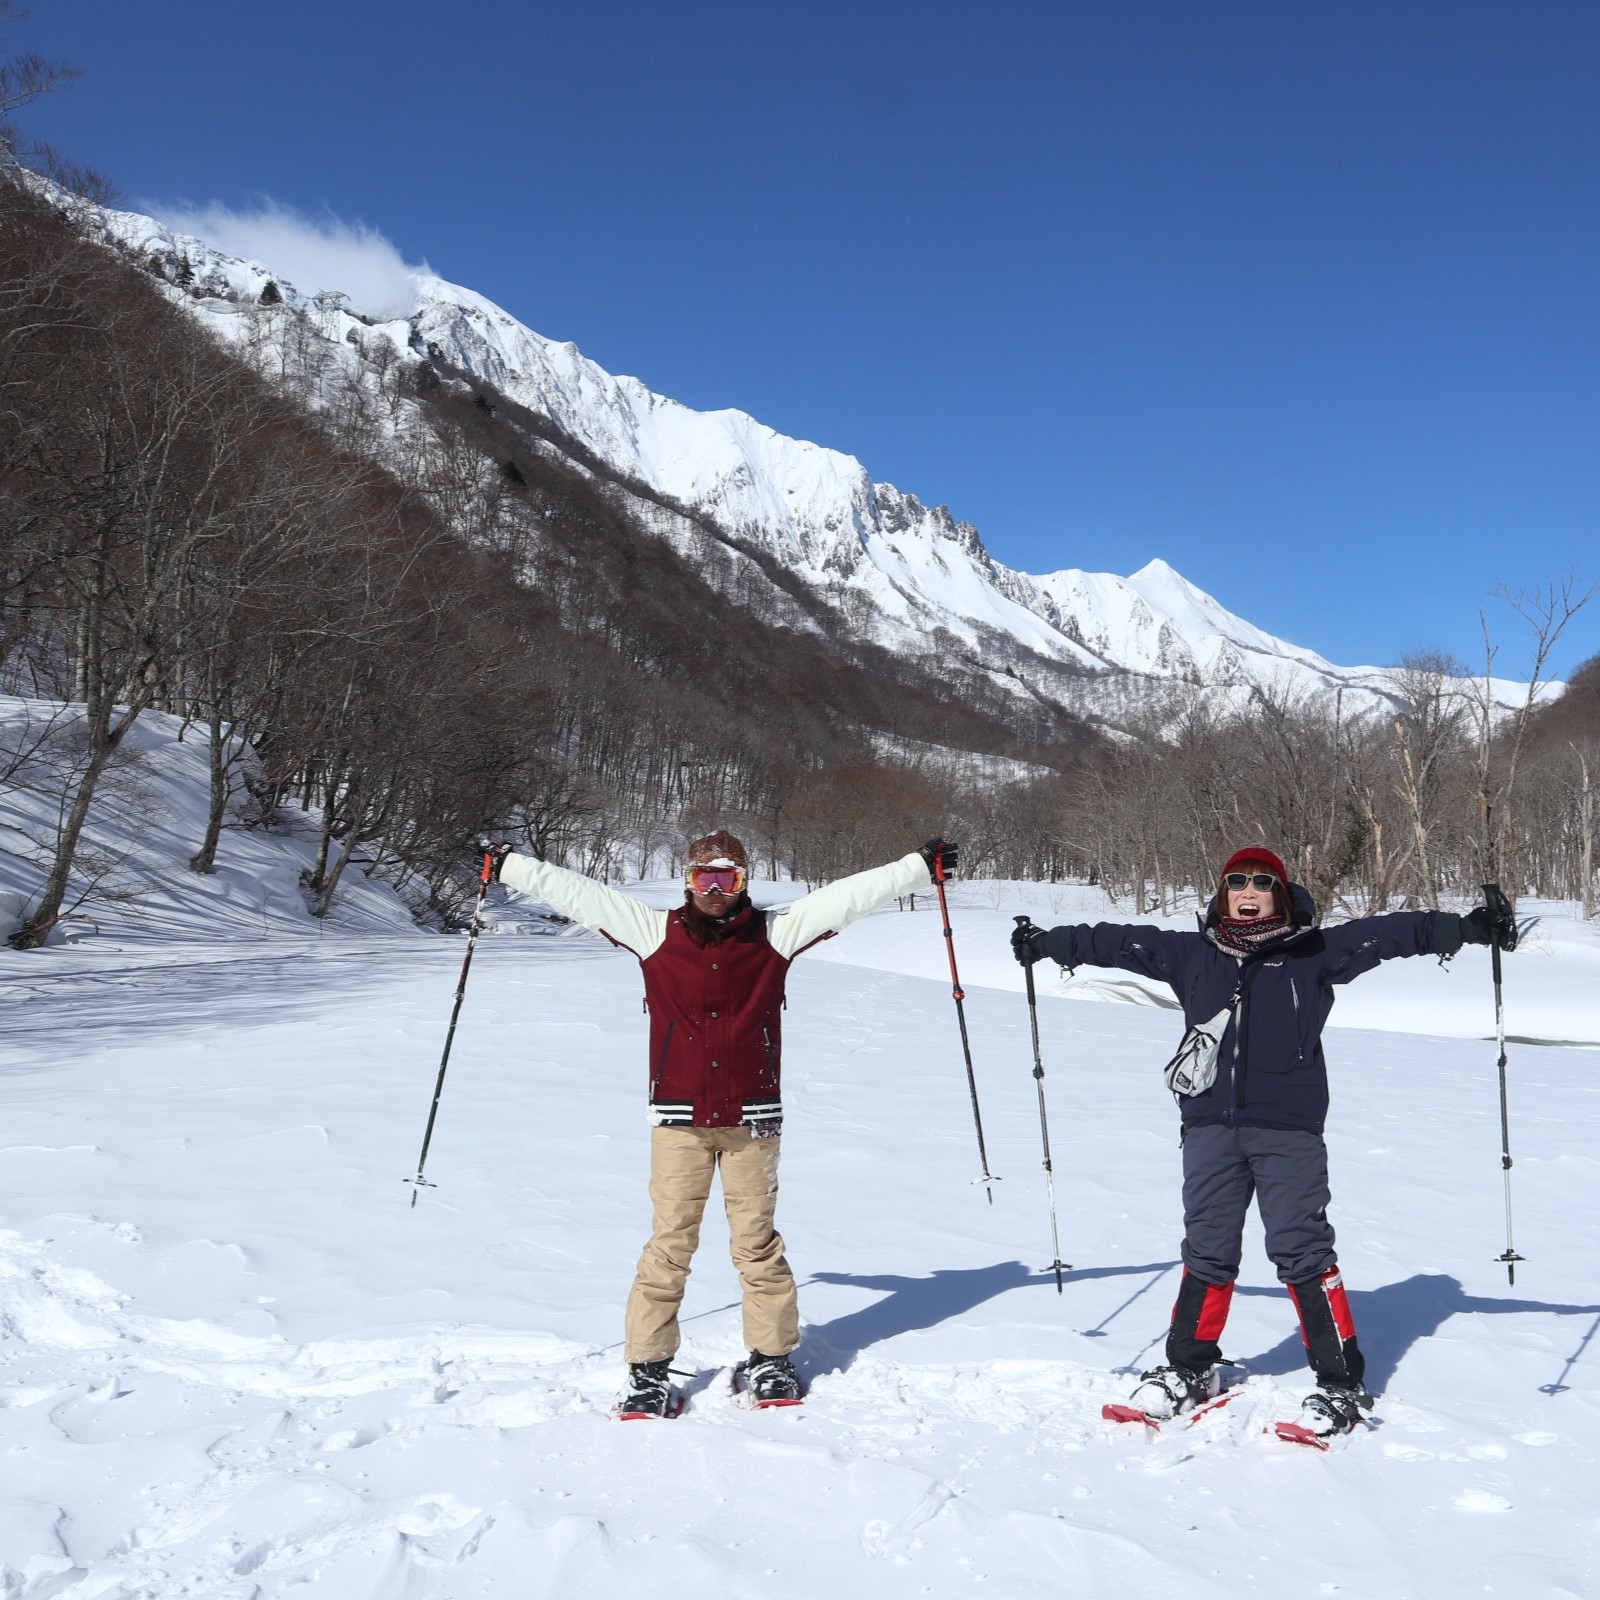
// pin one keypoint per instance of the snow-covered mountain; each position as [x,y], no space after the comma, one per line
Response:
[821,514]
[908,576]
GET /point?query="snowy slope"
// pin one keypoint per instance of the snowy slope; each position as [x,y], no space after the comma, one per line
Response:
[815,510]
[148,818]
[235,1364]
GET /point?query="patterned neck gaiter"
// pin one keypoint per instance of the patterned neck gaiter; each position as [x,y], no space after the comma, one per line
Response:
[1244,936]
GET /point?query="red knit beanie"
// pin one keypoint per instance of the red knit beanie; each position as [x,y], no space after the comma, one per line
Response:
[1255,856]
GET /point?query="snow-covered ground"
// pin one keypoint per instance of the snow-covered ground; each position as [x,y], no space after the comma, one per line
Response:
[235,1363]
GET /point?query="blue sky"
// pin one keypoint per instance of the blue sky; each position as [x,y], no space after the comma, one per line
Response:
[1299,297]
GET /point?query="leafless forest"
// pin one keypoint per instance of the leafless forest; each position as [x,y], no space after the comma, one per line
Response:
[409,609]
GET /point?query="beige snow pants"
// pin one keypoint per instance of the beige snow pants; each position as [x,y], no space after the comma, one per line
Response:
[682,1161]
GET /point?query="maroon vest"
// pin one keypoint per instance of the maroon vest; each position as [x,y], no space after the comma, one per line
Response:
[716,1043]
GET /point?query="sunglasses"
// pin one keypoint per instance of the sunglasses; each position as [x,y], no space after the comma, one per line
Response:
[703,880]
[1249,880]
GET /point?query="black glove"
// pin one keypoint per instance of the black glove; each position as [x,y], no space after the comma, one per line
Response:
[1482,926]
[496,853]
[942,858]
[1028,942]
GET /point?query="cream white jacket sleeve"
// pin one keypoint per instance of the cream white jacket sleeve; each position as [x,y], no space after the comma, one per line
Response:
[596,905]
[836,906]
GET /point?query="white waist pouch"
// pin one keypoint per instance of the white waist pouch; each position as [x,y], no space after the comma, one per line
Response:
[1194,1068]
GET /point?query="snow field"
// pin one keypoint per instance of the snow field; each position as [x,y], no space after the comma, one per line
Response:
[235,1363]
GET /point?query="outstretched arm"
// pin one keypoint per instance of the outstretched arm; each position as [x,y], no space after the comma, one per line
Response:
[1155,952]
[1359,946]
[598,906]
[825,911]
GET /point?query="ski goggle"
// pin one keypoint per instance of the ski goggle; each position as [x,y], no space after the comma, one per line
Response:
[1249,880]
[705,880]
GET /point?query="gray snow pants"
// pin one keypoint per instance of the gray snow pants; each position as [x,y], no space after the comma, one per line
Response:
[1285,1170]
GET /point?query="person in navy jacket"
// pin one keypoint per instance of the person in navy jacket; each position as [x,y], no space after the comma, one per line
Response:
[1263,973]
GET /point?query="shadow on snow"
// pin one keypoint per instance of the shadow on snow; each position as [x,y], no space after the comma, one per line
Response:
[1389,1320]
[913,1304]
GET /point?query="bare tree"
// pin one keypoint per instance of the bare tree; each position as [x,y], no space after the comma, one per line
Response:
[25,77]
[1427,726]
[1546,611]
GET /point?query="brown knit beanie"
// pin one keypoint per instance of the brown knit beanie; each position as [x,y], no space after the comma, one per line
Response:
[718,846]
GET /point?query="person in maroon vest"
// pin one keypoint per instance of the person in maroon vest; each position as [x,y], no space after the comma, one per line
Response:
[714,974]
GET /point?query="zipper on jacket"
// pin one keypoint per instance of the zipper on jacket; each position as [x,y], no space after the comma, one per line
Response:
[766,1044]
[1237,1087]
[661,1061]
[1294,995]
[1241,1046]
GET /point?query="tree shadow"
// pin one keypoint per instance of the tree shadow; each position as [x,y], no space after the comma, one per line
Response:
[1391,1319]
[911,1305]
[287,980]
[291,981]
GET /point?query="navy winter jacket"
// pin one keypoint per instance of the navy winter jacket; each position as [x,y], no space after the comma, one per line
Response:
[1270,1071]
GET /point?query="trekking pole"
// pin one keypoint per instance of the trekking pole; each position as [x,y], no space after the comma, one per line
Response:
[1499,909]
[939,875]
[485,876]
[1044,1122]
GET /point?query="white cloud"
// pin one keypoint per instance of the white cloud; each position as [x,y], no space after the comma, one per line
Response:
[312,253]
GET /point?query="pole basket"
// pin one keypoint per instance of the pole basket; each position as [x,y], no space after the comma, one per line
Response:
[1510,1258]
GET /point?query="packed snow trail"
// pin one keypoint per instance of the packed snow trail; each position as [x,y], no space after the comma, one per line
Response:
[234,1363]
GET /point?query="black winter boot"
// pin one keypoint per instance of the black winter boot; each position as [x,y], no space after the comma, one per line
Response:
[771,1381]
[1169,1391]
[649,1392]
[1334,1408]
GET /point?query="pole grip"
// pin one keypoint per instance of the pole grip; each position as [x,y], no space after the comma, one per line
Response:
[949,935]
[1027,968]
[1501,913]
